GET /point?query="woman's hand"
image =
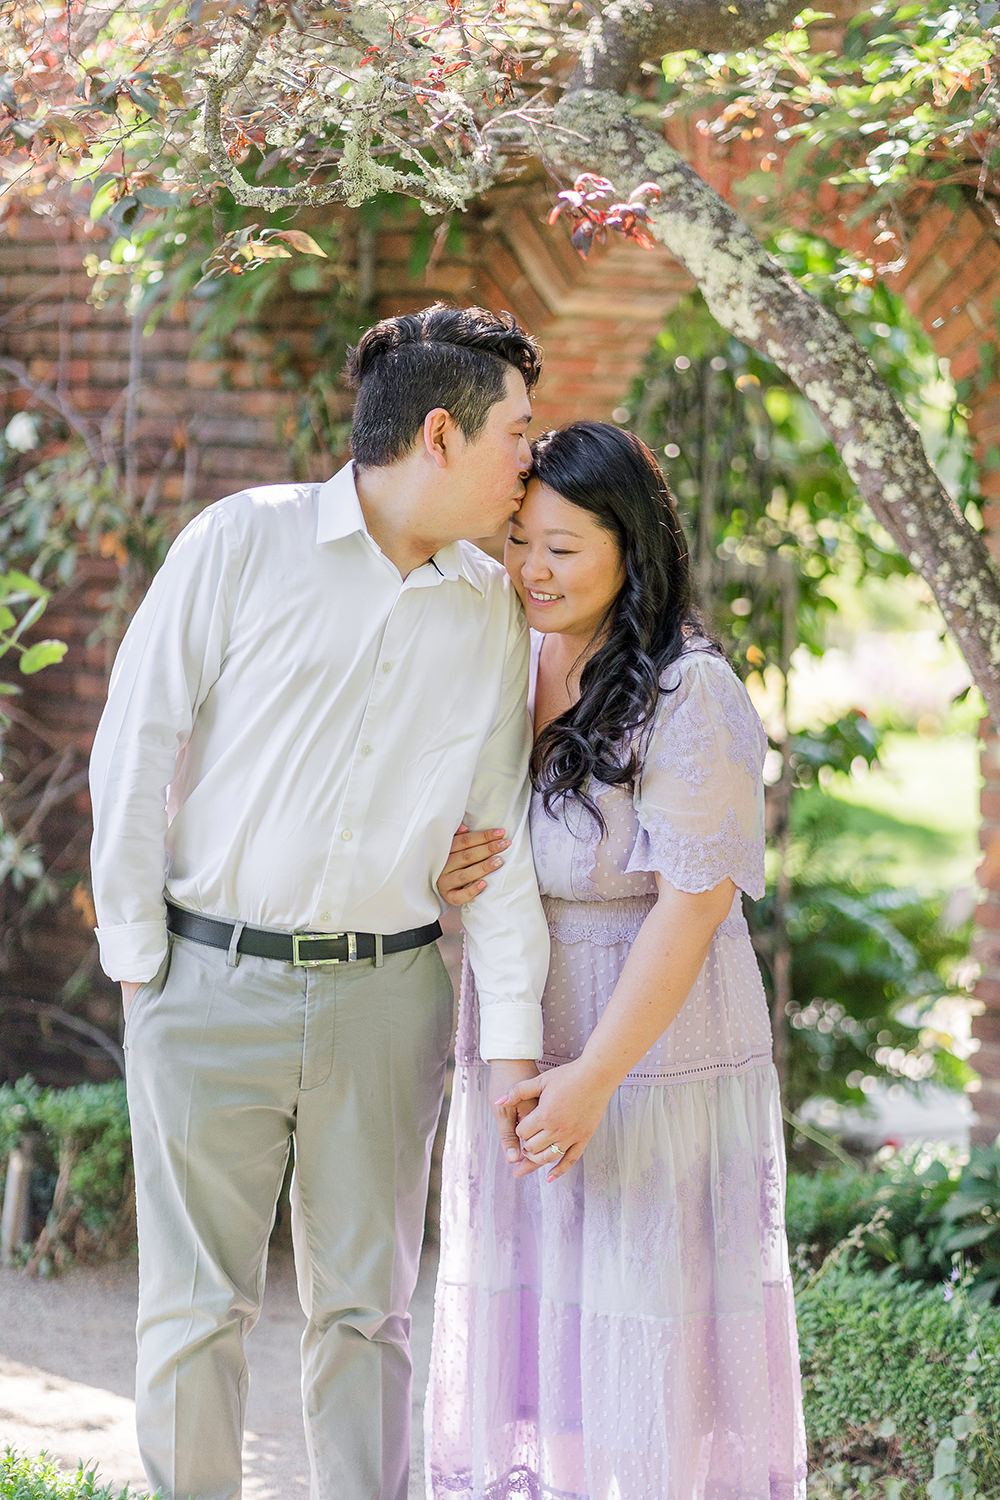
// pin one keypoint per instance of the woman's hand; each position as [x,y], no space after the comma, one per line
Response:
[473,856]
[571,1101]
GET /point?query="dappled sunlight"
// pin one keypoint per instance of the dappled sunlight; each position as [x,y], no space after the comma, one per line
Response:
[67,1357]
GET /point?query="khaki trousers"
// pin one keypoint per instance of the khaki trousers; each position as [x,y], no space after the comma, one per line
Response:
[227,1067]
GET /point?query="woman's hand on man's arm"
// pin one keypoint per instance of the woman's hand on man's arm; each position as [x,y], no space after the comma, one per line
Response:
[474,855]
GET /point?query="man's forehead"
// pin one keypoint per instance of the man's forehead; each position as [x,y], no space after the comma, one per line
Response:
[516,404]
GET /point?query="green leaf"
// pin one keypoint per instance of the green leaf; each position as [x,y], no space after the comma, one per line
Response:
[145,100]
[964,1239]
[154,197]
[945,1458]
[126,212]
[42,654]
[16,582]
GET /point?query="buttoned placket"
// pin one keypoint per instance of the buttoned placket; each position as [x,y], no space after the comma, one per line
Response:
[362,788]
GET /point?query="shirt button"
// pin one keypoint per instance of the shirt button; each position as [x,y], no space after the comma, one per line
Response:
[347,835]
[366,749]
[325,917]
[387,666]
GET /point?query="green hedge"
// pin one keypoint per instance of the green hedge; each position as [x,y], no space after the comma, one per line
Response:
[901,1385]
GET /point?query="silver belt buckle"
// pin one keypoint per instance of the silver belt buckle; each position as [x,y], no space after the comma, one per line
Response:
[318,937]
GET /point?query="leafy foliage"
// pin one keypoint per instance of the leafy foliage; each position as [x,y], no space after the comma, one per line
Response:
[901,1387]
[866,967]
[767,502]
[82,1172]
[23,1477]
[907,98]
[922,1216]
[22,603]
[154,106]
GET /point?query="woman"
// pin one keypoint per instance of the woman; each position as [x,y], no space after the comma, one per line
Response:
[619,1325]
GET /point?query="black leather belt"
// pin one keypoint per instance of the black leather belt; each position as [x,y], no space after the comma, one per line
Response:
[304,949]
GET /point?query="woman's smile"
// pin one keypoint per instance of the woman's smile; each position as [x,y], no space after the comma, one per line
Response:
[566,567]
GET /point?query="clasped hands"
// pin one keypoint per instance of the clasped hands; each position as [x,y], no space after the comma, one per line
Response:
[534,1111]
[559,1107]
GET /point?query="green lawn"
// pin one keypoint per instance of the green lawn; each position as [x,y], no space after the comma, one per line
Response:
[912,821]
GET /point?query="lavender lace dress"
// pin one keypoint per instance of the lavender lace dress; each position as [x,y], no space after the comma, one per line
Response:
[627,1332]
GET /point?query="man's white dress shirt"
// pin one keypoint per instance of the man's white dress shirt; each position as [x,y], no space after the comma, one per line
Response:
[293,733]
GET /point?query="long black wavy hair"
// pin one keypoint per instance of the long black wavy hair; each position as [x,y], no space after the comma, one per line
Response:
[612,474]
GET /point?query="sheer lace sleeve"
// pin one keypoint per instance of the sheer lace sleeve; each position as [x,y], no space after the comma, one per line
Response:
[700,796]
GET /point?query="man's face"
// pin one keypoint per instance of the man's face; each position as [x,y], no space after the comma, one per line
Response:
[488,472]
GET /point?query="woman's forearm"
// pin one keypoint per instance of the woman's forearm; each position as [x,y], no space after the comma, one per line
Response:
[666,957]
[658,974]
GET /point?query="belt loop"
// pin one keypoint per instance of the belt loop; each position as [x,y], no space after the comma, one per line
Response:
[233,951]
[379,961]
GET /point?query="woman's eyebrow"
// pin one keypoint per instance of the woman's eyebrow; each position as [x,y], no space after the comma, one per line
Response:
[549,530]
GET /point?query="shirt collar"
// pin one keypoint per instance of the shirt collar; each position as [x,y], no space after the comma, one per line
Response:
[338,510]
[339,515]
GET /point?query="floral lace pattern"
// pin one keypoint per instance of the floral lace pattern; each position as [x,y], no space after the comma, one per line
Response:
[697,862]
[684,740]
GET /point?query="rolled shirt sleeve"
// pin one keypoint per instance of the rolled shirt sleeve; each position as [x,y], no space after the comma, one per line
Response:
[506,932]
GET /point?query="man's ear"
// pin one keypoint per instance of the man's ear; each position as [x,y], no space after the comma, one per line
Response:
[438,434]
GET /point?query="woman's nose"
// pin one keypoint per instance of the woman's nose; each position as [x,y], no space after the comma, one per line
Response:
[534,567]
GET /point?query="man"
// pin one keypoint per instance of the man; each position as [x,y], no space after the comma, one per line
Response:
[321,682]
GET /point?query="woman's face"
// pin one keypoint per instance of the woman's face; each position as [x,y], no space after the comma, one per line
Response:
[566,568]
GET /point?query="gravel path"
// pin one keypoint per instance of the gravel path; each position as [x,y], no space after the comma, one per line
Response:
[66,1367]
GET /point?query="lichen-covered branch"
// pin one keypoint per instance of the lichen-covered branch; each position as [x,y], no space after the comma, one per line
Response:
[360,177]
[627,33]
[755,299]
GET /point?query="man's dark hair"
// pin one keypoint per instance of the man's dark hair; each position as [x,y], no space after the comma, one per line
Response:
[452,357]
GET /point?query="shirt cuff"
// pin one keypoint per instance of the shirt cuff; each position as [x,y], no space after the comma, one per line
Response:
[509,1029]
[133,951]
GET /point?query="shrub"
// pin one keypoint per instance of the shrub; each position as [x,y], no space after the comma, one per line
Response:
[866,965]
[24,1478]
[82,1187]
[900,1382]
[932,1216]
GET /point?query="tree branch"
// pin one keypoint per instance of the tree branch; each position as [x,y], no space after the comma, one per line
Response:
[342,190]
[750,294]
[51,398]
[627,33]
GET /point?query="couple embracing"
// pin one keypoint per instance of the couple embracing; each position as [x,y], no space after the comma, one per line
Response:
[323,683]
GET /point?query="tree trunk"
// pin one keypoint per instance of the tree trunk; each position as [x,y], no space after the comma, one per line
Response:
[756,300]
